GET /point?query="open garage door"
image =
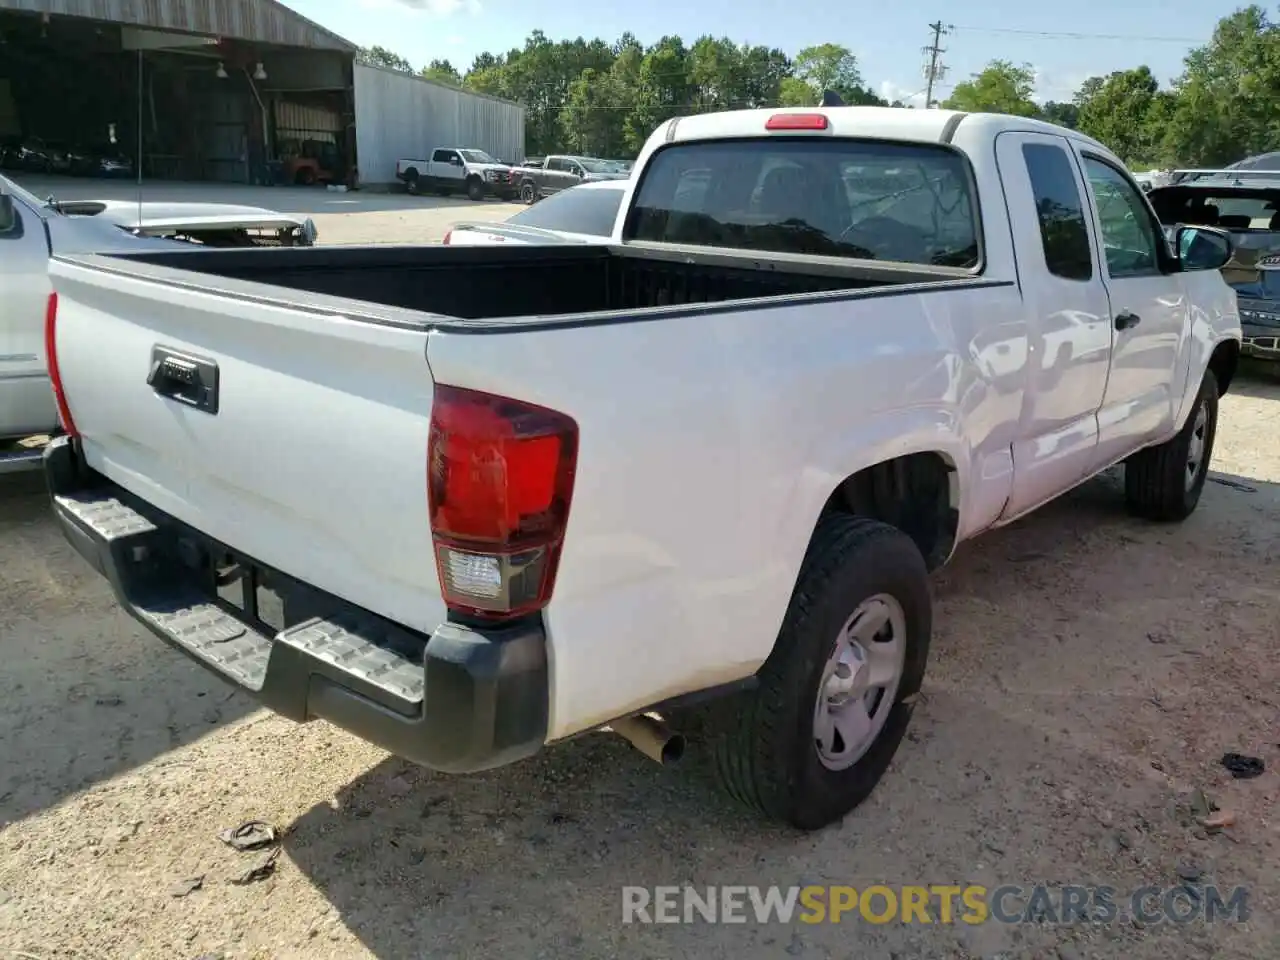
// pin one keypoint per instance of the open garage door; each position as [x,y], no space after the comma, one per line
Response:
[92,98]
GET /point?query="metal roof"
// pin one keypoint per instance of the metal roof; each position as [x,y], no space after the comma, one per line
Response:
[258,21]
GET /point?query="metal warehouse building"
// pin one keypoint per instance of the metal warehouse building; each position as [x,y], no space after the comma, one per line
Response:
[402,116]
[243,91]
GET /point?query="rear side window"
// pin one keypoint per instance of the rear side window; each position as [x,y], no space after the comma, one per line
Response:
[910,203]
[1061,211]
[441,156]
[589,210]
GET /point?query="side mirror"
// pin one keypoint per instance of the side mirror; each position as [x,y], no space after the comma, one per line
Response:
[1203,248]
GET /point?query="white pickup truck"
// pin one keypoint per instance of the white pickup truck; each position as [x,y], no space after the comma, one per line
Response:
[458,170]
[466,502]
[30,229]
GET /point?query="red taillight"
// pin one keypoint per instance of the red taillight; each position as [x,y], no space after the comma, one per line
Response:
[51,361]
[499,481]
[797,121]
[448,235]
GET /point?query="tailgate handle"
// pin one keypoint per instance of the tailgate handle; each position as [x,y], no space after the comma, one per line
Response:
[191,381]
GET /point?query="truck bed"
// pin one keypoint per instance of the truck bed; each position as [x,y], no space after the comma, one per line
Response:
[494,283]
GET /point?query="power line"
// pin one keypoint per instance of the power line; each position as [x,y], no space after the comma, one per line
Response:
[934,70]
[1051,35]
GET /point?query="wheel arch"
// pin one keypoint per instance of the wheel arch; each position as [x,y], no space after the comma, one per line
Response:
[1224,362]
[919,493]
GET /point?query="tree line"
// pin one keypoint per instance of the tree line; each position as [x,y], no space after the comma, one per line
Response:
[605,99]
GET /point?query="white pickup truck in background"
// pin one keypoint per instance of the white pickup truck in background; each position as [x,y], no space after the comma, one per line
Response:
[31,228]
[469,501]
[458,170]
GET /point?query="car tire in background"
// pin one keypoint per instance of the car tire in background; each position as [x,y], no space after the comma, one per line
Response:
[528,193]
[475,188]
[411,181]
[835,697]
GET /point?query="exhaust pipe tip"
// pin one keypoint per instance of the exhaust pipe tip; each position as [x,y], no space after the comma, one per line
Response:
[651,737]
[673,750]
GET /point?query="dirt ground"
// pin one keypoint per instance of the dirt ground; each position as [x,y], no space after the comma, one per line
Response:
[1088,673]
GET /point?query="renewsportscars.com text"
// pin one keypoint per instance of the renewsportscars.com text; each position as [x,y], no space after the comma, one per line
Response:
[937,903]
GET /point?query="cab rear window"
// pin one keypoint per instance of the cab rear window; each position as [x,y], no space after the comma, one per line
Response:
[909,203]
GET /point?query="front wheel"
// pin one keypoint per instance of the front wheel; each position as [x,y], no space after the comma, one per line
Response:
[1165,482]
[811,742]
[475,189]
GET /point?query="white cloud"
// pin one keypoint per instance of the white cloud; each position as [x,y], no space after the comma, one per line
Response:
[1051,85]
[891,92]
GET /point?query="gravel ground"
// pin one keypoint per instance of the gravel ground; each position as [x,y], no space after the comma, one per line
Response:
[1088,673]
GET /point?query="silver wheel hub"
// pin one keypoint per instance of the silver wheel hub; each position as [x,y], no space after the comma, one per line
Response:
[1195,449]
[860,682]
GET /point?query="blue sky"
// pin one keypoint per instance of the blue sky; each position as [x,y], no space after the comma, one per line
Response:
[886,39]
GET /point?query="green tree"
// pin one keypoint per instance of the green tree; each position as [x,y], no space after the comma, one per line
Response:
[662,91]
[1225,106]
[1063,114]
[592,118]
[1118,112]
[382,57]
[1002,87]
[442,71]
[830,66]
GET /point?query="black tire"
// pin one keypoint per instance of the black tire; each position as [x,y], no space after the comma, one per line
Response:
[475,189]
[411,182]
[762,742]
[305,177]
[528,193]
[1161,483]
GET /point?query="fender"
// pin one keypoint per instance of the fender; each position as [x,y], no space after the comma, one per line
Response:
[1217,322]
[880,437]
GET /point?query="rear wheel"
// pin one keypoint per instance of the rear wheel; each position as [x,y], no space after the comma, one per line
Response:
[475,189]
[305,177]
[411,182]
[528,193]
[811,742]
[1165,482]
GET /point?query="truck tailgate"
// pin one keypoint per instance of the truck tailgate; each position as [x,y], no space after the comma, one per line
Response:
[313,461]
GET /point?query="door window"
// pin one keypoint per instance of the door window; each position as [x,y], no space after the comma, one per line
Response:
[1128,233]
[440,156]
[1060,209]
[556,165]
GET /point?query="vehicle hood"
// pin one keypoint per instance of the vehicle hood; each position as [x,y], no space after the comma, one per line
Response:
[502,167]
[607,176]
[169,217]
[485,234]
[156,213]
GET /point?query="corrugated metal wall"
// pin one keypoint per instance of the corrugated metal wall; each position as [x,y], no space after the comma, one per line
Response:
[301,116]
[401,116]
[262,20]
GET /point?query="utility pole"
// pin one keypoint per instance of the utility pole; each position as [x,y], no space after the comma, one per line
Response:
[934,71]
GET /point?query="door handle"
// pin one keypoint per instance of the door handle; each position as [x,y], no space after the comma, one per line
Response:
[1127,319]
[192,381]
